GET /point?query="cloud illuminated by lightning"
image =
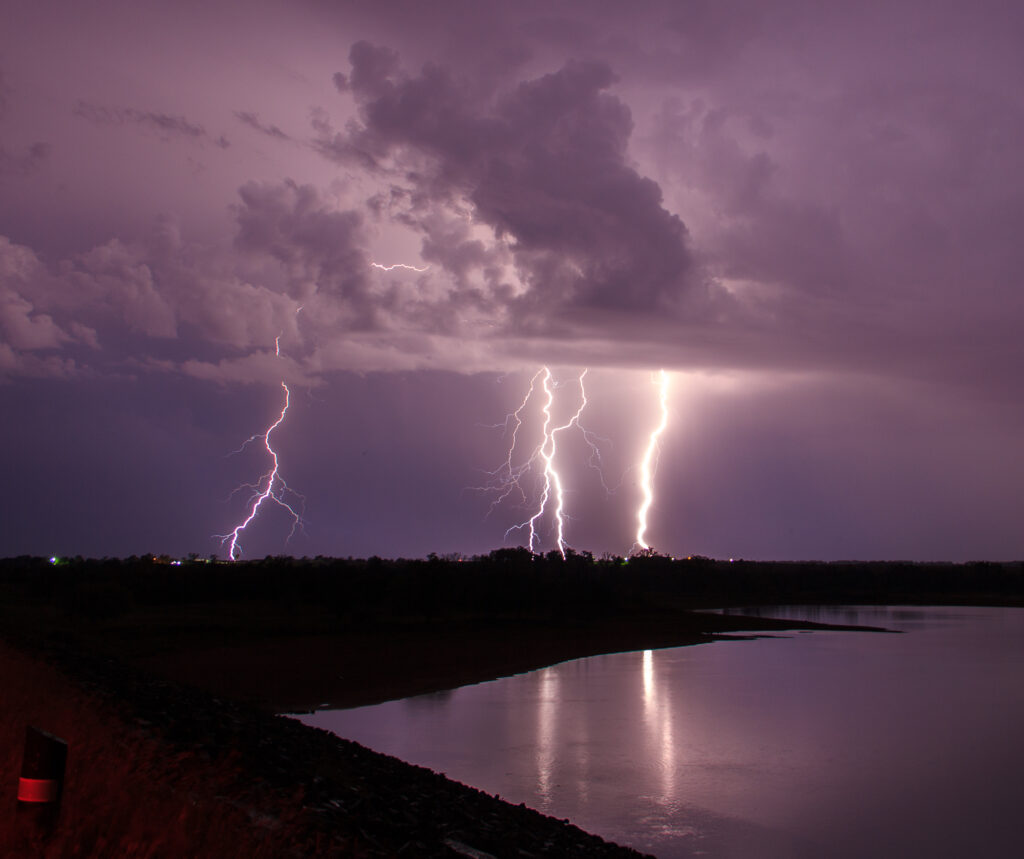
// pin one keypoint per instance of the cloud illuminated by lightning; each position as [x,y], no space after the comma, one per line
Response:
[649,464]
[270,487]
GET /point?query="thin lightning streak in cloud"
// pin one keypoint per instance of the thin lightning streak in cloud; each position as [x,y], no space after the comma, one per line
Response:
[277,339]
[401,266]
[649,463]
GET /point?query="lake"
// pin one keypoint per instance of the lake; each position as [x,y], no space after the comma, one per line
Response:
[840,744]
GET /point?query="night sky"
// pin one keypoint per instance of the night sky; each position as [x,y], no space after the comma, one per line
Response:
[809,214]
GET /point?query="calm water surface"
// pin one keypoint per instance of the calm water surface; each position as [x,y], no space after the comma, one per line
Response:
[841,744]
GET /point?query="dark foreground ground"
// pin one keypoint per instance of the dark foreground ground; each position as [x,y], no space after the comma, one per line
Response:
[159,770]
[164,680]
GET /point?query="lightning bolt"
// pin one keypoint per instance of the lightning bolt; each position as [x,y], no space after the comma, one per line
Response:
[547,453]
[649,464]
[551,477]
[399,265]
[270,487]
[277,339]
[508,476]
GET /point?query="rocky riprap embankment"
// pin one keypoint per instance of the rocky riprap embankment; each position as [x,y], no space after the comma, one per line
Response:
[309,793]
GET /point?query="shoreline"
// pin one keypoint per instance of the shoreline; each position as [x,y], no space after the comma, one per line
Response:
[297,674]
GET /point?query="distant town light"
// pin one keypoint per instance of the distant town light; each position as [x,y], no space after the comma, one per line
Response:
[54,559]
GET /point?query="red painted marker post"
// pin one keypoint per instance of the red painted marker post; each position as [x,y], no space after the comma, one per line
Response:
[42,777]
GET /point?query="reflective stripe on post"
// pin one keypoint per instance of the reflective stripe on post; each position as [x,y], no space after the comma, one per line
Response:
[38,789]
[42,768]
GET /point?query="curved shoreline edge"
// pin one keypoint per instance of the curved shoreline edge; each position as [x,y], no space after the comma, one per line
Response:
[302,673]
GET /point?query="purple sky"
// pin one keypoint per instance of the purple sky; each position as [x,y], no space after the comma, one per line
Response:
[809,214]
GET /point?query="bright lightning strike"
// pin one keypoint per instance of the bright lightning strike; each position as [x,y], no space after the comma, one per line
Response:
[547,452]
[509,475]
[270,487]
[649,463]
[401,266]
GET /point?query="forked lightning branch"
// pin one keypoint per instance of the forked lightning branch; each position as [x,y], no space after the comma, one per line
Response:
[549,503]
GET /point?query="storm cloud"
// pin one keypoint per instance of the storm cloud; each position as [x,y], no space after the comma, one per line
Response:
[652,196]
[544,165]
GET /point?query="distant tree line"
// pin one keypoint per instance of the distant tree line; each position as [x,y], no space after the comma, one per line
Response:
[510,582]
